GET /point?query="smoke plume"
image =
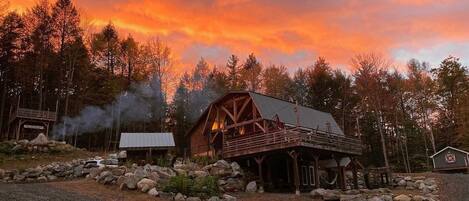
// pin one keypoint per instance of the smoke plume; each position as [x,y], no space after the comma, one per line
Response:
[142,102]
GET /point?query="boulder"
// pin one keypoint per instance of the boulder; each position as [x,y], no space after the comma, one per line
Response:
[418,198]
[251,187]
[130,182]
[179,197]
[140,173]
[408,178]
[51,177]
[40,140]
[153,192]
[325,194]
[387,197]
[193,199]
[222,164]
[426,190]
[94,172]
[429,181]
[198,173]
[78,171]
[220,171]
[214,198]
[318,192]
[227,197]
[231,184]
[118,171]
[42,179]
[146,184]
[402,182]
[402,197]
[345,197]
[375,198]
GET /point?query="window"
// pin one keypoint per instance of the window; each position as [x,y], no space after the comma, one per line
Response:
[304,175]
[311,175]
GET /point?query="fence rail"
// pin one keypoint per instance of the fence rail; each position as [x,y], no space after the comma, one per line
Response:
[255,143]
[34,114]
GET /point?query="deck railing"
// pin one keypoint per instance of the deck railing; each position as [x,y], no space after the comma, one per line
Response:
[33,114]
[261,142]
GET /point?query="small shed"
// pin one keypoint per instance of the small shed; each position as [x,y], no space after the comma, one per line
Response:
[146,146]
[450,159]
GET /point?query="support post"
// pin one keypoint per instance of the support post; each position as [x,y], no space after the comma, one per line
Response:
[354,173]
[316,172]
[341,173]
[259,161]
[296,176]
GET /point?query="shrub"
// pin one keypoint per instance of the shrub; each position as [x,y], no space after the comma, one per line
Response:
[203,187]
[203,160]
[5,148]
[206,187]
[163,162]
[179,184]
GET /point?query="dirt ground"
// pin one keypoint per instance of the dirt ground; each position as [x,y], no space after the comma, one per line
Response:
[97,191]
[452,187]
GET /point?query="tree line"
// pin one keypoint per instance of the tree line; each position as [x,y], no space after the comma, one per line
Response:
[49,60]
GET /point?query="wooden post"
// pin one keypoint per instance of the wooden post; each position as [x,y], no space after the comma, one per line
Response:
[316,172]
[341,174]
[296,176]
[259,161]
[354,172]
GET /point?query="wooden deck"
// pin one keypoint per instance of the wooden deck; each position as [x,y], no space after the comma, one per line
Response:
[33,114]
[262,142]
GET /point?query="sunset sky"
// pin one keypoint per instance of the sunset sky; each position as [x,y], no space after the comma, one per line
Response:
[292,33]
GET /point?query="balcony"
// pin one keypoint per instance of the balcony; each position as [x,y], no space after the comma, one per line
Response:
[33,114]
[295,137]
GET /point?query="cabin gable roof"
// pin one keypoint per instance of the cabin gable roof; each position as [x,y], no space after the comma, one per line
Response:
[449,147]
[270,107]
[287,112]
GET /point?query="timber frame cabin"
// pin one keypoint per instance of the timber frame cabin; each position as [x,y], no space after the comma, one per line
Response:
[282,142]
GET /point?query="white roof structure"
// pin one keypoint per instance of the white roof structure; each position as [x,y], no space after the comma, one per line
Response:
[146,140]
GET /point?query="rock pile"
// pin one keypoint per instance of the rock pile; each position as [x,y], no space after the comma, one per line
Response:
[44,173]
[428,187]
[422,188]
[147,179]
[38,144]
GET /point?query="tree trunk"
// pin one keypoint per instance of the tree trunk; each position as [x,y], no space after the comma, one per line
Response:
[2,104]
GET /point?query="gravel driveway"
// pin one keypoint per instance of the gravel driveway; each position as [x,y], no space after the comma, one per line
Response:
[38,191]
[454,187]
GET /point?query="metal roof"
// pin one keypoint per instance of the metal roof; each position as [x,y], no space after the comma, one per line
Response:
[146,140]
[310,118]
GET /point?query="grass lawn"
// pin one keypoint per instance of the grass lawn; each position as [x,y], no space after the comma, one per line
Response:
[27,160]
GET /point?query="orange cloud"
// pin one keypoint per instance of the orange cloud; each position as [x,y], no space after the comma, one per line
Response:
[290,32]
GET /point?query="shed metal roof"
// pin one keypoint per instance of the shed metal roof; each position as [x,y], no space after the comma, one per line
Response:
[146,140]
[310,118]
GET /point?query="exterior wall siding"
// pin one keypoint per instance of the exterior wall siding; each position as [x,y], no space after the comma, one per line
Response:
[199,143]
[441,163]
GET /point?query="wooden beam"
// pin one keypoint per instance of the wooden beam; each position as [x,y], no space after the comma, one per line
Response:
[206,120]
[259,125]
[316,172]
[259,161]
[235,111]
[242,108]
[228,113]
[341,173]
[242,123]
[296,176]
[354,173]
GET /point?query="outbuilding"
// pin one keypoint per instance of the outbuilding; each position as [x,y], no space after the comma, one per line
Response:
[146,146]
[450,159]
